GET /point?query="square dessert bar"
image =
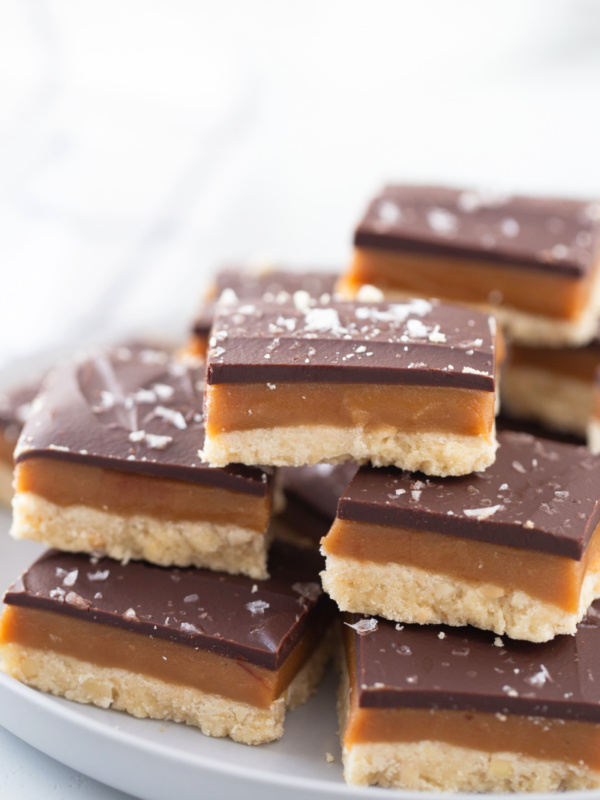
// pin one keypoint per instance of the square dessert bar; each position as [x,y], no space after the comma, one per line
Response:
[534,259]
[461,710]
[108,463]
[216,651]
[552,386]
[411,384]
[15,405]
[514,550]
[271,284]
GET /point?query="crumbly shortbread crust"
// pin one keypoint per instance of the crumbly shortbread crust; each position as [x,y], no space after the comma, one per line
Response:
[6,484]
[295,446]
[409,594]
[559,401]
[143,696]
[181,543]
[593,436]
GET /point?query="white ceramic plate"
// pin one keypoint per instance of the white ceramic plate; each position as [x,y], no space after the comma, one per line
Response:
[161,761]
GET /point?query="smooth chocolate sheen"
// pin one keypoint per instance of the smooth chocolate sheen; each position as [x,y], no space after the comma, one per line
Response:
[417,342]
[231,615]
[538,495]
[555,235]
[132,409]
[440,667]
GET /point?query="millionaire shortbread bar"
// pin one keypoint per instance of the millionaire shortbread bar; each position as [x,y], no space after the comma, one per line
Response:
[461,710]
[514,550]
[217,651]
[535,260]
[108,462]
[411,384]
[552,386]
[272,284]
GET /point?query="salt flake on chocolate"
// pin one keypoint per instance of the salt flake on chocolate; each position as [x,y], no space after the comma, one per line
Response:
[482,513]
[176,418]
[363,626]
[257,606]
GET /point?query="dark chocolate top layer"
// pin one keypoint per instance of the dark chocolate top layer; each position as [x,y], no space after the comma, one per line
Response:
[273,285]
[418,342]
[133,409]
[555,235]
[15,406]
[465,669]
[231,615]
[538,495]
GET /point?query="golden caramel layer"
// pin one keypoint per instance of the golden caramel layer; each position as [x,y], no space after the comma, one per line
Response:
[236,407]
[67,483]
[470,281]
[7,448]
[107,646]
[575,362]
[548,577]
[538,737]
[196,347]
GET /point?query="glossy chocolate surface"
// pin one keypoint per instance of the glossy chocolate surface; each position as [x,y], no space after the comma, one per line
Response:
[233,616]
[556,235]
[538,495]
[133,409]
[439,667]
[417,342]
[275,285]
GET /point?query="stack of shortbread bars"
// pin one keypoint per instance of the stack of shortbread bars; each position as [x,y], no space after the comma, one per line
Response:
[327,443]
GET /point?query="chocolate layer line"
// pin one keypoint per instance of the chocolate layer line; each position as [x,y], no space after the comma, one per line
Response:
[464,669]
[132,409]
[233,616]
[418,342]
[318,487]
[539,495]
[555,235]
[275,285]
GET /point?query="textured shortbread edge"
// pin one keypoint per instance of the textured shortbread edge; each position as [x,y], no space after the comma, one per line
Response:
[559,401]
[410,594]
[300,445]
[6,484]
[439,766]
[593,436]
[180,543]
[143,696]
[521,326]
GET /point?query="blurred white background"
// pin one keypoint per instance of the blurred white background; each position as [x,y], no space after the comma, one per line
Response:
[144,142]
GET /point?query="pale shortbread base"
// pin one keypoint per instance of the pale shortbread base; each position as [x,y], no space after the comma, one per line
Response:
[559,401]
[443,767]
[523,326]
[6,484]
[180,543]
[409,594]
[300,445]
[438,766]
[143,696]
[593,436]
